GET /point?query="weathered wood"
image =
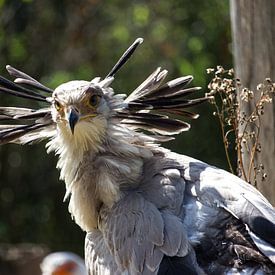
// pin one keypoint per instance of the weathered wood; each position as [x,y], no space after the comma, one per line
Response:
[253,30]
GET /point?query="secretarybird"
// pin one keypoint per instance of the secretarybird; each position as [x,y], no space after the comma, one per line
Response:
[145,209]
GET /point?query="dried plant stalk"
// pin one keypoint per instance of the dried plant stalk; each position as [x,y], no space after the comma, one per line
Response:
[243,128]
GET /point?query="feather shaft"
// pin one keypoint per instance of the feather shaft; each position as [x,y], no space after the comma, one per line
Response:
[124,58]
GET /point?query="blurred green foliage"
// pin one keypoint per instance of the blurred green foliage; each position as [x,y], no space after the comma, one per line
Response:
[57,41]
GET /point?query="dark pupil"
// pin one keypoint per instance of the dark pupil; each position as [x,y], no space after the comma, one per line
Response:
[94,100]
[57,104]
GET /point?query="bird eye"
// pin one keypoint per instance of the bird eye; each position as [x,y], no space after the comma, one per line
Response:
[57,105]
[94,100]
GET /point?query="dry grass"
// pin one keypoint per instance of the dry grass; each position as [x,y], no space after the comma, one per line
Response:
[238,125]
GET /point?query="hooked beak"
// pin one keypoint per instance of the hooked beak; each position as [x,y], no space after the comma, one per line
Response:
[73,117]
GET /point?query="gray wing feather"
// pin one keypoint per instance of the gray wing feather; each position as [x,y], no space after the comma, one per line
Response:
[217,188]
[163,184]
[153,258]
[132,228]
[175,238]
[139,235]
[98,259]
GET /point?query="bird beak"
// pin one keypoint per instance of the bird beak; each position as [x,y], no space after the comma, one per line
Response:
[72,117]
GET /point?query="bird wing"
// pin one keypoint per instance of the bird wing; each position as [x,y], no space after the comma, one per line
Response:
[226,216]
[183,203]
[217,189]
[139,235]
[142,229]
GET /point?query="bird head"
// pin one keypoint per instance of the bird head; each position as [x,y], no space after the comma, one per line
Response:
[81,111]
[77,102]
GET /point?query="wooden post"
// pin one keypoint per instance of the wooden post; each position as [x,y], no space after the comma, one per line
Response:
[253,31]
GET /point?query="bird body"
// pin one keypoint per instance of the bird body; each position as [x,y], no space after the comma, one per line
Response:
[177,210]
[145,209]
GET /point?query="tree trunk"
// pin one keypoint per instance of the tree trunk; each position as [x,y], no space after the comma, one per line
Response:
[253,30]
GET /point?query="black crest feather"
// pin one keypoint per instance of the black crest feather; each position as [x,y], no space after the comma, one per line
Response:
[151,106]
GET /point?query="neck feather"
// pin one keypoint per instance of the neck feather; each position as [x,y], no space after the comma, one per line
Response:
[95,170]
